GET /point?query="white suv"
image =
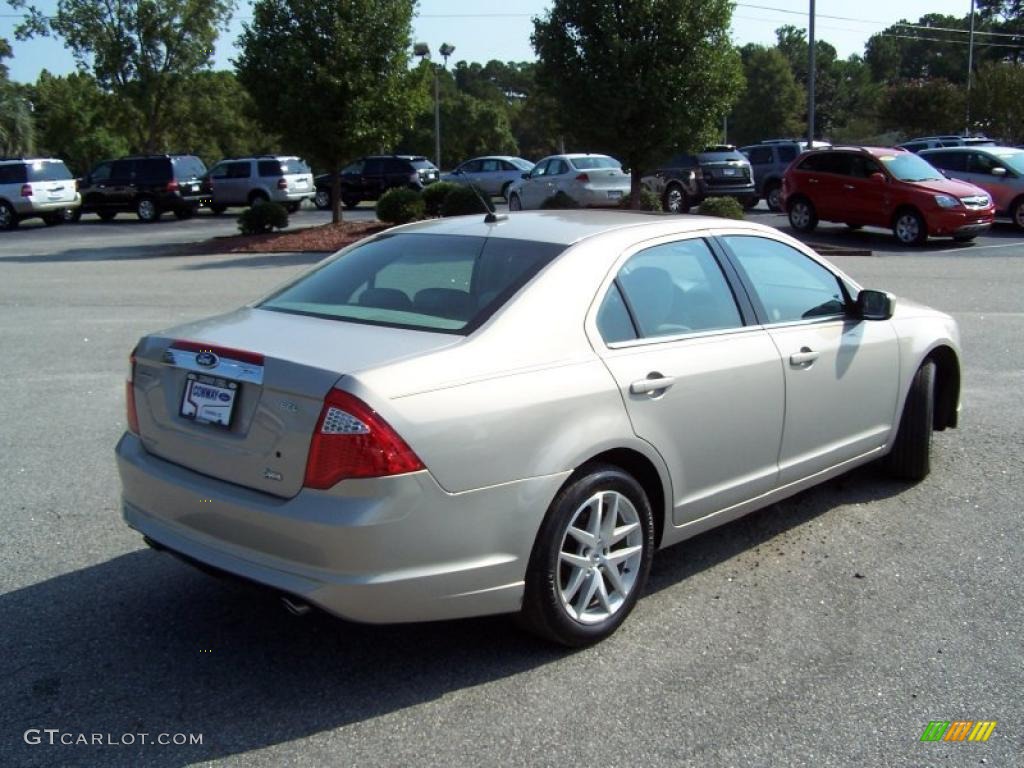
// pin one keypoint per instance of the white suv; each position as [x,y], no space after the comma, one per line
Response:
[251,180]
[36,187]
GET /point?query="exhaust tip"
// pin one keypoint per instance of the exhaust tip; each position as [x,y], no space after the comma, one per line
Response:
[295,607]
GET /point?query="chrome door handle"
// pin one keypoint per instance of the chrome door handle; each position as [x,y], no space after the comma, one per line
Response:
[812,181]
[805,356]
[654,383]
[848,186]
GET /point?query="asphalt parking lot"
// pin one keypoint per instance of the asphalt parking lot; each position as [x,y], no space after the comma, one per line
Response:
[826,630]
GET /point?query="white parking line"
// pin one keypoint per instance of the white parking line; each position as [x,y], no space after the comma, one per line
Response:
[967,250]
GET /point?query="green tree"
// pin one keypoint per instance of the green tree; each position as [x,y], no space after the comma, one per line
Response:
[143,51]
[76,120]
[916,107]
[639,79]
[997,101]
[332,79]
[17,129]
[773,103]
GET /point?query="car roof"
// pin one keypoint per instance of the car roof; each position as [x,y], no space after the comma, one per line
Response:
[993,148]
[568,226]
[30,160]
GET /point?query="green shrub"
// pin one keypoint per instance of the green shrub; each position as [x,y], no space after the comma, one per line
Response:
[261,218]
[648,201]
[435,194]
[724,207]
[559,201]
[400,206]
[464,200]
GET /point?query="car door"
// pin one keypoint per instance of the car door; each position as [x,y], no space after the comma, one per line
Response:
[842,373]
[98,187]
[865,196]
[372,178]
[561,177]
[700,383]
[989,173]
[120,193]
[534,186]
[469,172]
[490,176]
[238,183]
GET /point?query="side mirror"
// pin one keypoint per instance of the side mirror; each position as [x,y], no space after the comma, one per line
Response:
[998,171]
[875,305]
[878,178]
[526,175]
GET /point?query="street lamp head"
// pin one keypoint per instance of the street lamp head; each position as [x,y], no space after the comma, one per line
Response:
[422,50]
[446,51]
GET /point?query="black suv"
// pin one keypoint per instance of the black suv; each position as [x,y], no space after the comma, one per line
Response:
[370,177]
[686,180]
[149,185]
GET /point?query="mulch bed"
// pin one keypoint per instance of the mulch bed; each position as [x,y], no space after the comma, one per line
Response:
[326,238]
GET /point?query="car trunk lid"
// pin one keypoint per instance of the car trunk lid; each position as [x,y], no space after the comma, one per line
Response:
[237,397]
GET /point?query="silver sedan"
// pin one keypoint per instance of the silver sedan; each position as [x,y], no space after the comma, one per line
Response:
[493,174]
[591,181]
[474,416]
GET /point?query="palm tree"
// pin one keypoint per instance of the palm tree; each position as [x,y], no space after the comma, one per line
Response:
[17,132]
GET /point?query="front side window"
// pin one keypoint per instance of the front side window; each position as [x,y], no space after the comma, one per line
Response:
[789,285]
[473,166]
[445,283]
[950,161]
[669,289]
[100,173]
[238,170]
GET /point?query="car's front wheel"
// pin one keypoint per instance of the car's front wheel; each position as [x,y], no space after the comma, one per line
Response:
[514,203]
[773,196]
[591,558]
[910,458]
[910,228]
[146,210]
[350,201]
[802,215]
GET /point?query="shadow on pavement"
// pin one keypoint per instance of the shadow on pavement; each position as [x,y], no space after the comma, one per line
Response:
[144,644]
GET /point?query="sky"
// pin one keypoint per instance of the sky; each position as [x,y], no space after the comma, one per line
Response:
[482,30]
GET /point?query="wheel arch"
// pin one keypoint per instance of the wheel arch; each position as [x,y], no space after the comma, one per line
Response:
[644,471]
[901,208]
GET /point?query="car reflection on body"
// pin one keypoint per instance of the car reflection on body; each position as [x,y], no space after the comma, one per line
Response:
[475,415]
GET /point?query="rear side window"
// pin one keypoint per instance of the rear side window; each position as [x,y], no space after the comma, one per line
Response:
[153,168]
[47,170]
[672,289]
[760,155]
[787,153]
[269,168]
[13,173]
[789,285]
[239,170]
[827,162]
[950,161]
[425,282]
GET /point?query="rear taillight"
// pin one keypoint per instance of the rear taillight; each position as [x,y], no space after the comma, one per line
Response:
[129,397]
[282,183]
[352,440]
[26,190]
[583,177]
[172,186]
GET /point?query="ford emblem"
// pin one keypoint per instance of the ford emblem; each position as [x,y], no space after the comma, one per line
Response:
[207,359]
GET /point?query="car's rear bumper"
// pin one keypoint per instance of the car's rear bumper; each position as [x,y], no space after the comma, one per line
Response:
[379,550]
[27,207]
[600,198]
[728,190]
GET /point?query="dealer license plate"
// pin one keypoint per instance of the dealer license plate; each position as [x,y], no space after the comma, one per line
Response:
[209,399]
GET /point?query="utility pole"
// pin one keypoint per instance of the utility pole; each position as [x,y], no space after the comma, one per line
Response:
[970,68]
[811,77]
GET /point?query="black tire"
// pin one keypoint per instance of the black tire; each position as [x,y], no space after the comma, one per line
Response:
[217,208]
[1017,213]
[750,202]
[514,203]
[8,218]
[106,215]
[802,216]
[322,199]
[545,612]
[909,227]
[773,196]
[71,215]
[675,199]
[292,207]
[184,213]
[146,210]
[910,458]
[350,202]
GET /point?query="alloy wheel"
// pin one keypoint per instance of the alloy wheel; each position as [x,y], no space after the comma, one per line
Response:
[322,199]
[146,210]
[674,200]
[600,557]
[908,229]
[800,215]
[775,199]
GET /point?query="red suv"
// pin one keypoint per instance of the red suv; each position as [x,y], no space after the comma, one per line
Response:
[882,187]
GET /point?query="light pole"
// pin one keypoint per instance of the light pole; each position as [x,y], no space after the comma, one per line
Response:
[423,51]
[810,78]
[970,66]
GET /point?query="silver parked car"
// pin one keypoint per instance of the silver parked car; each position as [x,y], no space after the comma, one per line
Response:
[997,170]
[36,187]
[284,179]
[473,416]
[493,174]
[593,181]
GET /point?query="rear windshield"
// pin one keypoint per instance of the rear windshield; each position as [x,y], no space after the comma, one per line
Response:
[188,167]
[445,283]
[594,161]
[47,170]
[281,167]
[421,163]
[721,157]
[519,162]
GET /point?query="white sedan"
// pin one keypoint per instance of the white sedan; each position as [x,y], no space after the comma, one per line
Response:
[592,181]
